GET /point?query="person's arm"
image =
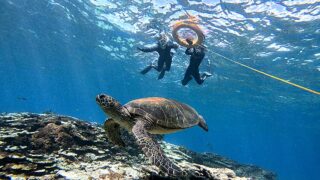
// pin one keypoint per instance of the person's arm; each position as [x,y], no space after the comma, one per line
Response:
[174,46]
[148,49]
[189,51]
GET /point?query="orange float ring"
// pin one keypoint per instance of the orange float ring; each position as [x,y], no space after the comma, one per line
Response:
[189,24]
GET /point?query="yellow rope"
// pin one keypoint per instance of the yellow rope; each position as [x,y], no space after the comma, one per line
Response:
[269,75]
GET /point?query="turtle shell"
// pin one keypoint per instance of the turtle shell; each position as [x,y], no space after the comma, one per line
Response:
[166,113]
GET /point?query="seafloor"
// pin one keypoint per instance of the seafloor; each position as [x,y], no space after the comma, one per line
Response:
[48,146]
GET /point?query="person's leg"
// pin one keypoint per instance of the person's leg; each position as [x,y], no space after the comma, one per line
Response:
[168,64]
[196,76]
[161,75]
[160,65]
[187,77]
[166,68]
[146,69]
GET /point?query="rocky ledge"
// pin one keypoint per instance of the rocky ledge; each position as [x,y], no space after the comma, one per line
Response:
[48,146]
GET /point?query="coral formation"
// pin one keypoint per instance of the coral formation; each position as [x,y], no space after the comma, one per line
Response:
[48,146]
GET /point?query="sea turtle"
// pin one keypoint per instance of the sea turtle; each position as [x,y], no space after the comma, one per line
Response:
[152,115]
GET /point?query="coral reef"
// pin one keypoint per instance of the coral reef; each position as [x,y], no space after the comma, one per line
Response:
[48,146]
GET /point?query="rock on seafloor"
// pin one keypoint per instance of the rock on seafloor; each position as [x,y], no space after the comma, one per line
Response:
[48,146]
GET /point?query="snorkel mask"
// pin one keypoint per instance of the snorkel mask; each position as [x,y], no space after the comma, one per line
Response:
[163,40]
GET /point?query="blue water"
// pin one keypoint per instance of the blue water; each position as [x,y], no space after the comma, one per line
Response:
[57,55]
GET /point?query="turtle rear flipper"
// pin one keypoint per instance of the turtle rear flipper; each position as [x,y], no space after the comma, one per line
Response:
[152,149]
[113,132]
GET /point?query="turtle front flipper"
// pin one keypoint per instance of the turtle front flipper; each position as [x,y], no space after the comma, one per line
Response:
[152,149]
[113,132]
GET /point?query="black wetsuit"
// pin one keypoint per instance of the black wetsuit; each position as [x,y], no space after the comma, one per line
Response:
[164,60]
[193,68]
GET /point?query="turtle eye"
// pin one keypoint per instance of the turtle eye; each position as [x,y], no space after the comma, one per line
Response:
[109,102]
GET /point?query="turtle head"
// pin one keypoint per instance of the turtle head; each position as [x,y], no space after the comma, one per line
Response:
[109,105]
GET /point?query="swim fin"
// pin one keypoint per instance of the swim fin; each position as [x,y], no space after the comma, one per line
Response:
[206,75]
[145,70]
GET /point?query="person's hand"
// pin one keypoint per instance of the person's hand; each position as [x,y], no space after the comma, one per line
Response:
[189,41]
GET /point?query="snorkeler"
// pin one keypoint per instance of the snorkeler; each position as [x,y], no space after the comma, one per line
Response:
[197,54]
[163,47]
